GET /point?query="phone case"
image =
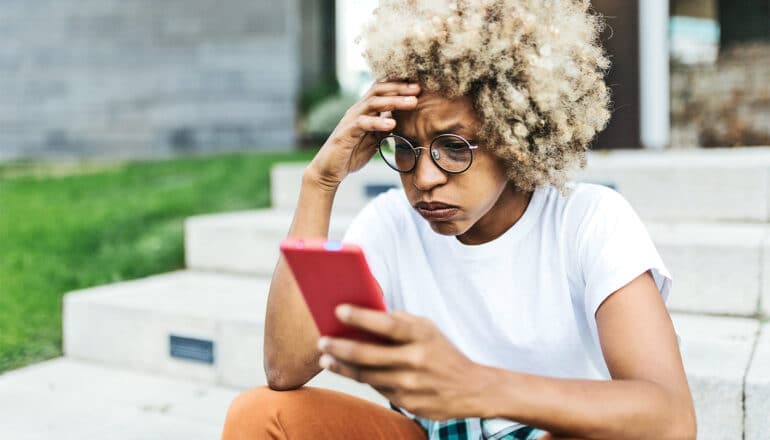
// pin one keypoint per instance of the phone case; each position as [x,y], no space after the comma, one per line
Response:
[330,273]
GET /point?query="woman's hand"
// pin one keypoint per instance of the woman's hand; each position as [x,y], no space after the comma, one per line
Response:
[423,373]
[353,142]
[549,436]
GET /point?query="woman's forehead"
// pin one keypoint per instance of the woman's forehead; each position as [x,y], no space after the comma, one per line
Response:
[435,112]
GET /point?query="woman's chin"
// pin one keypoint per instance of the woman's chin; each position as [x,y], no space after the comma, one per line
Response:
[446,228]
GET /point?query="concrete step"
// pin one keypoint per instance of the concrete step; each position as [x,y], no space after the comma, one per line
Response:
[758,389]
[67,399]
[228,311]
[244,242]
[718,268]
[728,184]
[717,352]
[357,189]
[193,325]
[724,184]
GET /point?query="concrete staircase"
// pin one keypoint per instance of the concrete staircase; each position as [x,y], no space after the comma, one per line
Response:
[708,212]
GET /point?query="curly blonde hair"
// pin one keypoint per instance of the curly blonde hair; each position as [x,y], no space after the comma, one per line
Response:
[533,68]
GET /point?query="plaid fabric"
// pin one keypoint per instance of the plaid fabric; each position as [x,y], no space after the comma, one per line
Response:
[470,429]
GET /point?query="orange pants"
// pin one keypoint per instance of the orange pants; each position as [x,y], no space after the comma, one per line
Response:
[314,413]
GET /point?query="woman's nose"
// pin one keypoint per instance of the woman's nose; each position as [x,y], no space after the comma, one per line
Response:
[427,174]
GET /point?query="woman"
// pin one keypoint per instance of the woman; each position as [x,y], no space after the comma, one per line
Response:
[523,305]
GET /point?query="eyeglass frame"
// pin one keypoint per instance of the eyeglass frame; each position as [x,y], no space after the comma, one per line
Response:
[417,150]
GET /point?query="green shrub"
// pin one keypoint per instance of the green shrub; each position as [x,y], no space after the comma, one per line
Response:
[314,95]
[324,117]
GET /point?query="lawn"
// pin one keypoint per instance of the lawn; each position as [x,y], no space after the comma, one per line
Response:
[65,227]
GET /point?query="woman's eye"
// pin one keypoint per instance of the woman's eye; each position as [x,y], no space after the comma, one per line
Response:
[455,146]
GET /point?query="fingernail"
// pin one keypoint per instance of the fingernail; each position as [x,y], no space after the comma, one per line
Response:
[409,98]
[343,312]
[325,361]
[413,86]
[323,342]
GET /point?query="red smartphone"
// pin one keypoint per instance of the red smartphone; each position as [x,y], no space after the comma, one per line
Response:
[330,273]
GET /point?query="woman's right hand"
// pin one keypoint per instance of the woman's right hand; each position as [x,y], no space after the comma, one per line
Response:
[354,141]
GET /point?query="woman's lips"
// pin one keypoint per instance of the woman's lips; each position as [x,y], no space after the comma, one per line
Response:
[436,212]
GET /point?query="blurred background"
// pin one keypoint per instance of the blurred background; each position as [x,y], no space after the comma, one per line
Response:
[138,79]
[120,120]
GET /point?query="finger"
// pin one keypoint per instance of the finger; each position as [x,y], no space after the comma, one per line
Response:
[343,368]
[328,362]
[385,391]
[393,88]
[377,104]
[365,123]
[385,378]
[396,327]
[367,354]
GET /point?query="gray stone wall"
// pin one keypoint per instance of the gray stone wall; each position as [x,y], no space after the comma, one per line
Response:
[139,78]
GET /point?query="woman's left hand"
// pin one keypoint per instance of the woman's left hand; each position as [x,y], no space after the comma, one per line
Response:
[424,373]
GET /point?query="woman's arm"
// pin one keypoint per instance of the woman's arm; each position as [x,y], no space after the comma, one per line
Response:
[648,397]
[290,354]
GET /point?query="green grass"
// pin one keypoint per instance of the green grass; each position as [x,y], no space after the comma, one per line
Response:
[68,227]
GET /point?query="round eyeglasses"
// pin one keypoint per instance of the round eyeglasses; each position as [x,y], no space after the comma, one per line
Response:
[450,152]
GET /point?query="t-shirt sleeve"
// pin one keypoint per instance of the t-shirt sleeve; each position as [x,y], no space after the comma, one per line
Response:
[614,248]
[372,230]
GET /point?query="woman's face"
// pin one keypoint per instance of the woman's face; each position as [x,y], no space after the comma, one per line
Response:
[475,205]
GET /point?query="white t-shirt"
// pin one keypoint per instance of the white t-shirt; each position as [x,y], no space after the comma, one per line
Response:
[526,300]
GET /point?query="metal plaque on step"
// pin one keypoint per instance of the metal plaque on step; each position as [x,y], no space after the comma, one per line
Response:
[199,350]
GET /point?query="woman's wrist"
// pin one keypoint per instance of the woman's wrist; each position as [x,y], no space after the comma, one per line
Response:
[484,380]
[494,386]
[311,178]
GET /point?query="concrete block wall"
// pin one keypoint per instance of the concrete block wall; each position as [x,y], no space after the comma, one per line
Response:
[146,78]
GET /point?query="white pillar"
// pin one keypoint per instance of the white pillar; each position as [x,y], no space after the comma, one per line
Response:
[351,67]
[341,48]
[654,84]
